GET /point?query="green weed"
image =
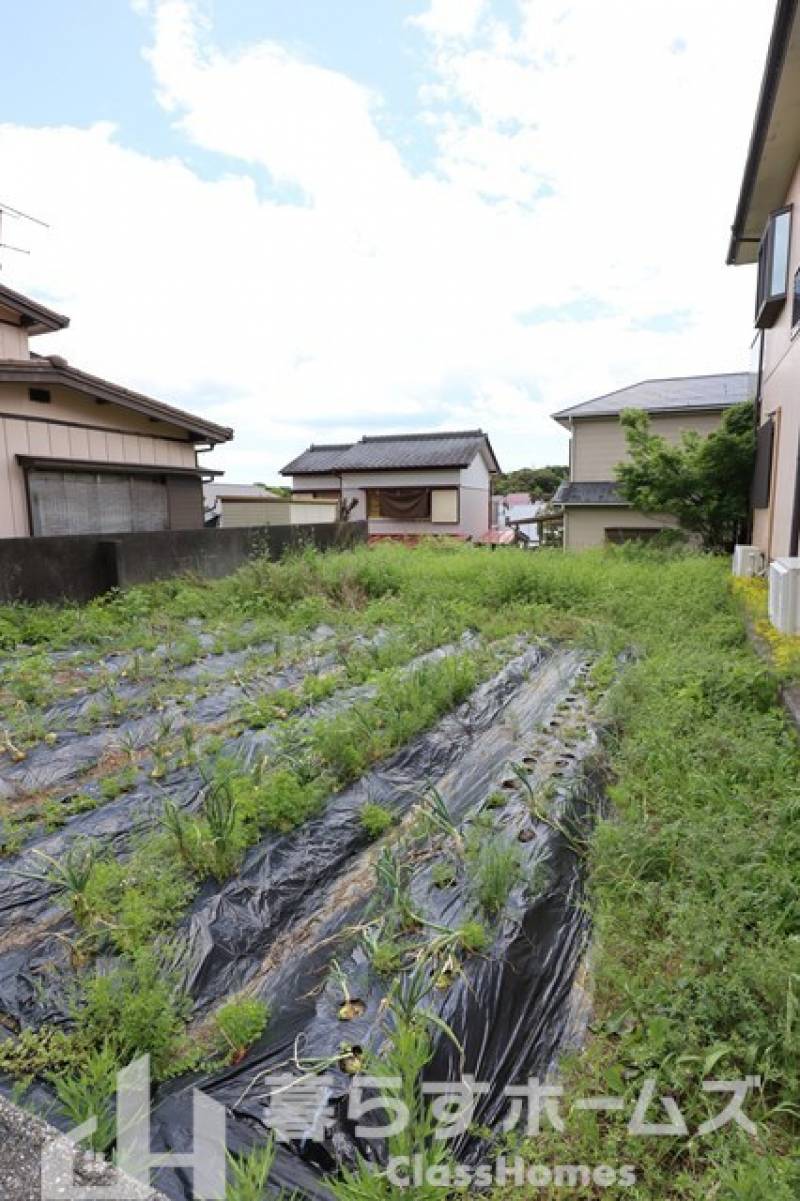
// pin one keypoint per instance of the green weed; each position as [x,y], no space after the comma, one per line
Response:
[241,1023]
[375,820]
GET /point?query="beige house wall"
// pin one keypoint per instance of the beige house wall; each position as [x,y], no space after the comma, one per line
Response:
[238,513]
[585,525]
[598,443]
[75,427]
[473,484]
[780,397]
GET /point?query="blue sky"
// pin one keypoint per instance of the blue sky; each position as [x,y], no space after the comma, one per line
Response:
[310,219]
[89,63]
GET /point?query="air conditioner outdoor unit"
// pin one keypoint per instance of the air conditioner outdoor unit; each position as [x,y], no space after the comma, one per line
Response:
[784,595]
[747,561]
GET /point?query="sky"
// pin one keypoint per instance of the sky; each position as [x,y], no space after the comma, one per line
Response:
[316,219]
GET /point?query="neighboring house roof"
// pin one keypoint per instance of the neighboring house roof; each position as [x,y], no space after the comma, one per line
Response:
[387,452]
[317,460]
[775,140]
[599,493]
[518,498]
[214,492]
[34,316]
[679,394]
[56,371]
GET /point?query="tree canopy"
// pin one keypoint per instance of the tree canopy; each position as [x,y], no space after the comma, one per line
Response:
[539,482]
[702,481]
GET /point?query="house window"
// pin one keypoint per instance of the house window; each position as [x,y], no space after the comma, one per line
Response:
[40,395]
[413,504]
[773,268]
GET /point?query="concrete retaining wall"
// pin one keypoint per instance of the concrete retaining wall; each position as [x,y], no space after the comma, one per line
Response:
[81,566]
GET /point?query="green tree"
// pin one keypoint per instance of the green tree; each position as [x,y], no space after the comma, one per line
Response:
[703,481]
[539,482]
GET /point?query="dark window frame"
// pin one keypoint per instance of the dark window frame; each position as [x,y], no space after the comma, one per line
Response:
[761,486]
[769,303]
[796,303]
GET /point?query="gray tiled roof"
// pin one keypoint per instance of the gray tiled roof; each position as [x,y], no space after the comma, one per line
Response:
[317,460]
[588,493]
[394,451]
[662,395]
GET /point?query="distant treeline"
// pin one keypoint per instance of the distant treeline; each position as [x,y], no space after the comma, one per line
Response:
[539,482]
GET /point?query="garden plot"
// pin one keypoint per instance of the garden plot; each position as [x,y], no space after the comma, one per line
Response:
[471,908]
[268,865]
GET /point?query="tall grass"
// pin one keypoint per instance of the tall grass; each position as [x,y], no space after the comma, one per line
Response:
[693,879]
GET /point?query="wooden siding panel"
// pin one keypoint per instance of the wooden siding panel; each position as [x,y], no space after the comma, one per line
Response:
[115,444]
[98,446]
[59,442]
[78,444]
[131,449]
[38,438]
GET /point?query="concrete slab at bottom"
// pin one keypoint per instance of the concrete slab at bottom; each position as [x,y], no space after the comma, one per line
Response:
[22,1137]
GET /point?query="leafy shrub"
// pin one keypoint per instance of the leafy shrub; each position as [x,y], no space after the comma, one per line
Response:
[264,710]
[375,820]
[131,900]
[473,937]
[241,1023]
[114,785]
[386,956]
[88,1091]
[133,1010]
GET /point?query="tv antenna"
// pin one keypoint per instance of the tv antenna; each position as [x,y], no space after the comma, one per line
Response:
[6,211]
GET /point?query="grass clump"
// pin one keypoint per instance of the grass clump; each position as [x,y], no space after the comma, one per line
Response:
[496,866]
[241,1023]
[114,785]
[249,1174]
[386,956]
[88,1091]
[375,820]
[473,937]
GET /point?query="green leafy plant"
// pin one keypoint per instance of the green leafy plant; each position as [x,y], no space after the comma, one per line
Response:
[473,937]
[496,866]
[114,785]
[375,820]
[133,1010]
[703,481]
[240,1023]
[89,1092]
[249,1174]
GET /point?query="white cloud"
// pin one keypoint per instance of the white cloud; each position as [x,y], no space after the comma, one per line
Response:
[578,156]
[450,18]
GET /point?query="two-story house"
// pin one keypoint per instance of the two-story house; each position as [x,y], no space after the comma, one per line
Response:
[594,510]
[82,455]
[404,485]
[766,231]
